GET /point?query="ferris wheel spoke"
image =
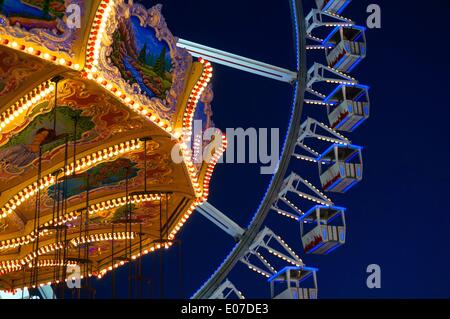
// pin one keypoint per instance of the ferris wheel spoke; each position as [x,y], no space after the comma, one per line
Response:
[293,185]
[313,129]
[285,213]
[251,266]
[322,73]
[238,62]
[266,239]
[221,220]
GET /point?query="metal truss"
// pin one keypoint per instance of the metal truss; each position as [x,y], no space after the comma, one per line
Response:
[294,184]
[320,73]
[318,18]
[264,241]
[221,220]
[226,290]
[313,129]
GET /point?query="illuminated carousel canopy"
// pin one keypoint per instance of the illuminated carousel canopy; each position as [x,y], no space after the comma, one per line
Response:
[91,115]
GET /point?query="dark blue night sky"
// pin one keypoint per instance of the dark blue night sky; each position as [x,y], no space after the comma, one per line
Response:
[398,216]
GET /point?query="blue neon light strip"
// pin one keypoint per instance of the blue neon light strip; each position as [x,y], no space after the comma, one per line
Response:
[361,121]
[355,64]
[315,248]
[285,269]
[351,157]
[319,158]
[333,249]
[355,147]
[343,7]
[335,184]
[327,6]
[306,277]
[333,32]
[350,186]
[343,122]
[340,86]
[324,42]
[341,61]
[313,209]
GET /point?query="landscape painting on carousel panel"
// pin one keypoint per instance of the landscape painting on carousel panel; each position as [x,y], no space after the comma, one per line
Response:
[144,212]
[102,175]
[23,148]
[31,14]
[141,58]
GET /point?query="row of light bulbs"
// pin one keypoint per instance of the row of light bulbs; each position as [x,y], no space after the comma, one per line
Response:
[102,237]
[96,34]
[188,116]
[291,216]
[102,272]
[94,208]
[150,249]
[52,263]
[31,237]
[83,163]
[9,264]
[30,49]
[26,102]
[209,170]
[122,201]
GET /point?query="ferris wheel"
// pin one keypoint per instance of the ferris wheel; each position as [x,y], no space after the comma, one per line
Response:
[346,105]
[85,177]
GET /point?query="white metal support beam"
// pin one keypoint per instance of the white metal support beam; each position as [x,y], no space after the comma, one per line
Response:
[238,62]
[220,220]
[292,185]
[322,73]
[263,240]
[317,18]
[313,129]
[226,290]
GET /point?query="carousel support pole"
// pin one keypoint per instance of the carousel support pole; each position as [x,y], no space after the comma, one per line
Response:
[80,234]
[54,214]
[128,228]
[113,273]
[140,272]
[86,250]
[161,252]
[180,269]
[55,80]
[34,271]
[62,255]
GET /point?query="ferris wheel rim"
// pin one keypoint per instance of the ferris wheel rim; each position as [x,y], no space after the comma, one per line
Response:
[220,274]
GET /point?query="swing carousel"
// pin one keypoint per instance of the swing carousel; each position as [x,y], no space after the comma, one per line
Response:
[96,100]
